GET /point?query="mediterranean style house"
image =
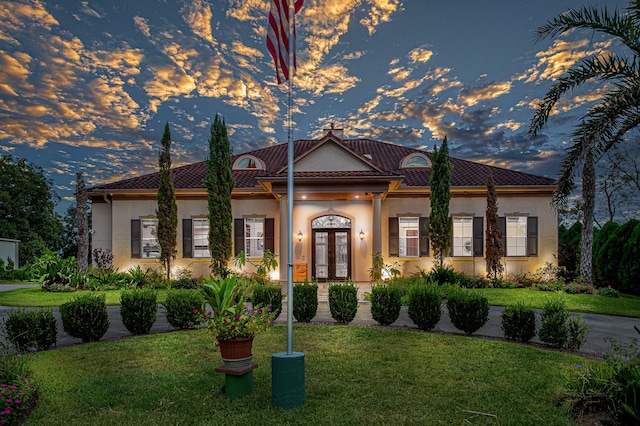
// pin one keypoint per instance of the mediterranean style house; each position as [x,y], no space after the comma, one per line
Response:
[352,198]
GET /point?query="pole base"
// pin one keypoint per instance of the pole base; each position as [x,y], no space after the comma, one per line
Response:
[287,380]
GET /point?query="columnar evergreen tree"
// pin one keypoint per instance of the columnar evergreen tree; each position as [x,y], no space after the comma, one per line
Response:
[494,247]
[219,184]
[167,210]
[82,223]
[440,225]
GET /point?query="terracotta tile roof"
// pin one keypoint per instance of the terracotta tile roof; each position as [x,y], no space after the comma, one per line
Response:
[386,157]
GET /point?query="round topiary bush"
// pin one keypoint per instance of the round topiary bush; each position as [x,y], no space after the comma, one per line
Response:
[553,323]
[305,301]
[519,322]
[183,308]
[268,295]
[85,317]
[138,309]
[27,329]
[343,302]
[425,305]
[385,304]
[468,311]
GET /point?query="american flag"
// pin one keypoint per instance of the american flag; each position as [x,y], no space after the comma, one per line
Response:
[278,33]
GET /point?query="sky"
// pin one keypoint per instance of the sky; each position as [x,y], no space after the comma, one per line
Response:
[87,86]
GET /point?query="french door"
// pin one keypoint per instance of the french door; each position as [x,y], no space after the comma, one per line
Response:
[331,254]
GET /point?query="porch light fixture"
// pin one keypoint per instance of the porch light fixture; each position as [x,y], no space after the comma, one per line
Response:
[299,235]
[361,234]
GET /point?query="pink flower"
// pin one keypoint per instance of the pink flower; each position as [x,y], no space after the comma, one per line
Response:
[18,401]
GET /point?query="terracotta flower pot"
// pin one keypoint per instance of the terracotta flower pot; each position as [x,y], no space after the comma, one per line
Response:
[238,348]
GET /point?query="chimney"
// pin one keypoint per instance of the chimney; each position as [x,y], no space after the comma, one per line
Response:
[339,133]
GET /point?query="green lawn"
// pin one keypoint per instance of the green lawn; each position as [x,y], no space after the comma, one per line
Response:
[34,296]
[353,376]
[627,306]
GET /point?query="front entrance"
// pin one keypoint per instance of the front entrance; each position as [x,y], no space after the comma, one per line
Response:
[331,251]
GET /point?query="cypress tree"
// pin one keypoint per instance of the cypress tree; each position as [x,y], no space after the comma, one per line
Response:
[440,224]
[219,184]
[167,210]
[494,247]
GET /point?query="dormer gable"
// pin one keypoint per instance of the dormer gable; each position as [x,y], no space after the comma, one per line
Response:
[330,154]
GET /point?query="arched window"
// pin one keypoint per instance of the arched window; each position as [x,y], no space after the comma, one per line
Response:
[330,221]
[415,161]
[248,162]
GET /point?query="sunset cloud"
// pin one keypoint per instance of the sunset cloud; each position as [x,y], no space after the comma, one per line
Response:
[472,95]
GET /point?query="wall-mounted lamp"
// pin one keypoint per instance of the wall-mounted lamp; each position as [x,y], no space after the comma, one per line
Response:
[299,235]
[361,234]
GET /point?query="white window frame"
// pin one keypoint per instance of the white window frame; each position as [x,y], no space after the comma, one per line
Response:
[408,236]
[149,245]
[200,235]
[463,236]
[254,237]
[516,229]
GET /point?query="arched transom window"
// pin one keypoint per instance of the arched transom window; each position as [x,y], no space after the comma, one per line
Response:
[331,221]
[416,160]
[248,162]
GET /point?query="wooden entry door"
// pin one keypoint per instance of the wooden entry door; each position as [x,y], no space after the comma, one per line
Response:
[331,254]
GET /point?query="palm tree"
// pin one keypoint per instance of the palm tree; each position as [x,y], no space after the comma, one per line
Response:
[606,122]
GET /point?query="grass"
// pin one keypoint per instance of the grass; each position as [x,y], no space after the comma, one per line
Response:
[625,305]
[353,376]
[34,296]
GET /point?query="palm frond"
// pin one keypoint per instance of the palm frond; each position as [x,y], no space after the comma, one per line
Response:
[617,24]
[608,67]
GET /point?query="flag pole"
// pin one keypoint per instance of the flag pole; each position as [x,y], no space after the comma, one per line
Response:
[287,368]
[291,46]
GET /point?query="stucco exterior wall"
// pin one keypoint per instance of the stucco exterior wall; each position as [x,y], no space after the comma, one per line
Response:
[112,222]
[101,226]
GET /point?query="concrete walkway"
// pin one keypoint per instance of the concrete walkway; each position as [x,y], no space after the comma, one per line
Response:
[602,328]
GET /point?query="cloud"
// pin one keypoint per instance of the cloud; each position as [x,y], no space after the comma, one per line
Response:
[168,81]
[420,55]
[472,95]
[197,13]
[124,61]
[560,56]
[143,25]
[381,11]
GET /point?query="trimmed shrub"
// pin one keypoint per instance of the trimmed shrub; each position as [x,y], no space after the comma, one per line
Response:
[268,295]
[305,301]
[138,308]
[577,332]
[343,302]
[476,281]
[468,311]
[385,304]
[186,283]
[35,329]
[85,317]
[607,292]
[550,286]
[553,323]
[445,274]
[425,305]
[519,322]
[183,308]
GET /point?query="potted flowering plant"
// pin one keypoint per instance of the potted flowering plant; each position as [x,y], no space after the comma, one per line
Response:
[231,322]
